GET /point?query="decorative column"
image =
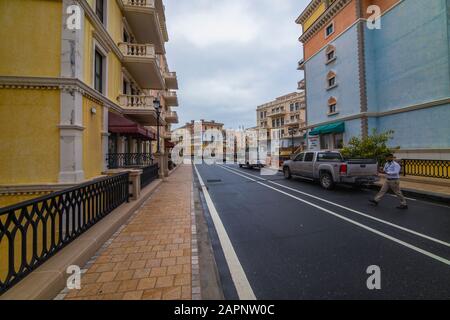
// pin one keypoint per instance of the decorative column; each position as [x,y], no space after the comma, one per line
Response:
[105,137]
[71,108]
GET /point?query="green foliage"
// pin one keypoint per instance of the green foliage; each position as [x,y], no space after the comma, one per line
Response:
[372,147]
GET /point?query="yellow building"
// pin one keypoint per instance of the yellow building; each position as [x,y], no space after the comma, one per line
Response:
[66,68]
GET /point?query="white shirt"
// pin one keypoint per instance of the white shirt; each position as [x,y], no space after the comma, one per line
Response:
[392,169]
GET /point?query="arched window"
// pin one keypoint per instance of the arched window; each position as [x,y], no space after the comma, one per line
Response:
[331,79]
[332,106]
[330,53]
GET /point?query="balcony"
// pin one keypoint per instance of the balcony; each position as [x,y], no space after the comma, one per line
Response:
[172,117]
[143,18]
[171,98]
[301,85]
[142,63]
[138,108]
[171,80]
[278,113]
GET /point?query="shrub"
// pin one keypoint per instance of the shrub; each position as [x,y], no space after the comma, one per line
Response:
[372,147]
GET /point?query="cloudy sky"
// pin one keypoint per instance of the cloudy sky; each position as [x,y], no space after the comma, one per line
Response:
[232,55]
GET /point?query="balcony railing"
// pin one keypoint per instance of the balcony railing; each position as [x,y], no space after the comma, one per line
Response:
[171,80]
[171,98]
[129,160]
[278,112]
[33,231]
[172,117]
[136,102]
[135,50]
[140,3]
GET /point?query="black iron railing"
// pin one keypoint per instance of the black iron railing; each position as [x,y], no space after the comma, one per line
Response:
[426,168]
[149,175]
[33,231]
[124,160]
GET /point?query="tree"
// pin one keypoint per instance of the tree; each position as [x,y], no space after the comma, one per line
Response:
[372,147]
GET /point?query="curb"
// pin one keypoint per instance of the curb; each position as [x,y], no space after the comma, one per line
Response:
[47,281]
[423,195]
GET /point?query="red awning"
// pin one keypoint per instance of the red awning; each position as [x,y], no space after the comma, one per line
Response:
[124,126]
[169,145]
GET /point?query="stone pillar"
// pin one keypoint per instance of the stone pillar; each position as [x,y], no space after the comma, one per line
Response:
[166,164]
[160,157]
[71,102]
[105,137]
[135,184]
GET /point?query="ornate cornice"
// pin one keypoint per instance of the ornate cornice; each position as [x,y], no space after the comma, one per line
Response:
[308,11]
[324,19]
[65,84]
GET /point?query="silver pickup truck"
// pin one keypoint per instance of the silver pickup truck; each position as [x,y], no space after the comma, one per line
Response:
[330,168]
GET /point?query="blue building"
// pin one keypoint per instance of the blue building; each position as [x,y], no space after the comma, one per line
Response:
[396,77]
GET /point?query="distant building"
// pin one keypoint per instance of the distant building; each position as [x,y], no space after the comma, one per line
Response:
[284,119]
[394,78]
[200,134]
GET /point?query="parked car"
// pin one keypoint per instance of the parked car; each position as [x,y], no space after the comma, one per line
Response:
[330,168]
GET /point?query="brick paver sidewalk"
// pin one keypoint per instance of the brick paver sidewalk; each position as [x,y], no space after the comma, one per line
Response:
[150,257]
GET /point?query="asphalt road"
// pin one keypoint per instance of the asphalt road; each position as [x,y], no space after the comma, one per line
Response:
[294,240]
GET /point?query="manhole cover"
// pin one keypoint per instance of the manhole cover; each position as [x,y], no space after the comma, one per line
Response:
[214,181]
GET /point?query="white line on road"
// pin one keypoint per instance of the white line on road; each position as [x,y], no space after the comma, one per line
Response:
[384,235]
[349,209]
[240,280]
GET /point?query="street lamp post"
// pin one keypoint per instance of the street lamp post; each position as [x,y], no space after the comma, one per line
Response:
[292,132]
[157,106]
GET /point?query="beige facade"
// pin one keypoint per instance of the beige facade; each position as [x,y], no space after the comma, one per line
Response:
[285,116]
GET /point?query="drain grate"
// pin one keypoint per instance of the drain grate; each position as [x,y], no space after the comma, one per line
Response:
[213,181]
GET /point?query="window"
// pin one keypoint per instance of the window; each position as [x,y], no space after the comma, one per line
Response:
[126,37]
[292,107]
[332,106]
[297,106]
[309,157]
[300,157]
[329,156]
[331,80]
[325,141]
[329,30]
[100,10]
[98,71]
[330,53]
[338,141]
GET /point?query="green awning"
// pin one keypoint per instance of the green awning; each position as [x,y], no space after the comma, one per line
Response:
[337,127]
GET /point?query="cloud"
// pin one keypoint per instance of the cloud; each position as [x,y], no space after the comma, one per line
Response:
[208,25]
[231,56]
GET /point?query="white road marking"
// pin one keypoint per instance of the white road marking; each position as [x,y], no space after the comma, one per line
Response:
[240,280]
[384,235]
[351,210]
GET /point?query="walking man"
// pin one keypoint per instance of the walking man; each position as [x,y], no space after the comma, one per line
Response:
[392,170]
